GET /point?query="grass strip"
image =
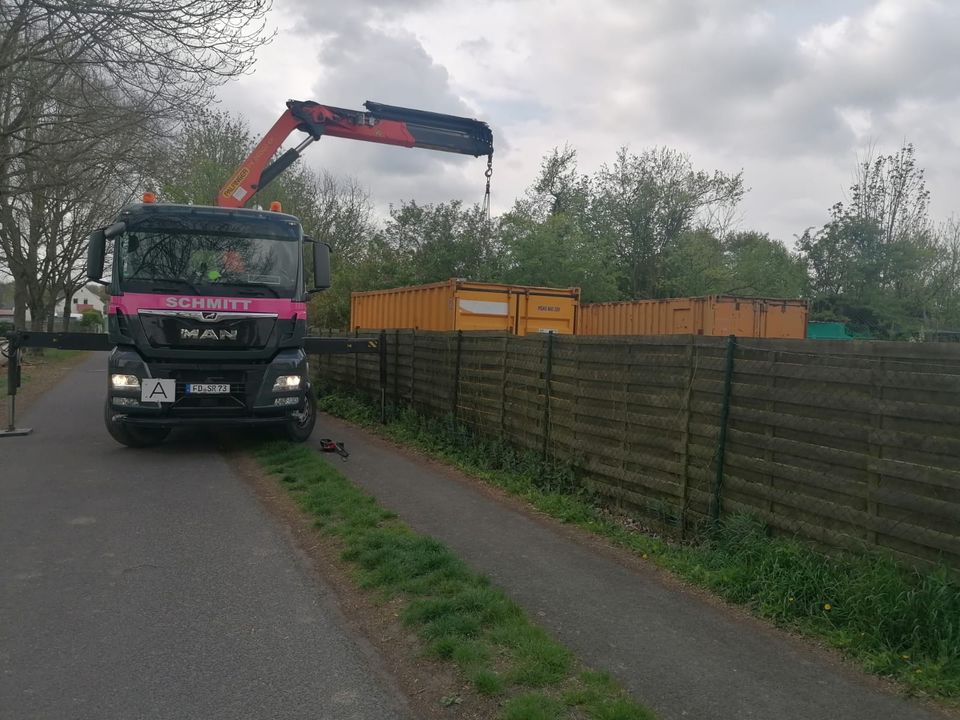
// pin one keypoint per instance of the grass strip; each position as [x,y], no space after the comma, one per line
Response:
[459,616]
[896,621]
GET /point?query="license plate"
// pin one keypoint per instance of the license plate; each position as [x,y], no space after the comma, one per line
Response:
[208,389]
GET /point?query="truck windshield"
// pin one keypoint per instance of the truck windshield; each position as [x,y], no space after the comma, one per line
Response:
[208,263]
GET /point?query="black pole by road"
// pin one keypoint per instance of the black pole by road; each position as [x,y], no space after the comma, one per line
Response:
[12,354]
[13,373]
[715,505]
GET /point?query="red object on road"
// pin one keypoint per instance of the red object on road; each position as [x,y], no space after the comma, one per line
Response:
[328,445]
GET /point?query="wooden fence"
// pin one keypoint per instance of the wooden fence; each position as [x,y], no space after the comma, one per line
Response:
[848,444]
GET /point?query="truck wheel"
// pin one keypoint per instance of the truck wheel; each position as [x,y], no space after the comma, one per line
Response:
[132,436]
[300,425]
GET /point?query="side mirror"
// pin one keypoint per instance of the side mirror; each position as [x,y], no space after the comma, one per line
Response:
[96,254]
[321,266]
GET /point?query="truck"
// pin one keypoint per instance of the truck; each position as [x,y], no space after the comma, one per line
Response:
[208,304]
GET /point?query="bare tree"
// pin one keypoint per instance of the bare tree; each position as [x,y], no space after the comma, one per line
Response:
[334,210]
[61,183]
[76,76]
[163,54]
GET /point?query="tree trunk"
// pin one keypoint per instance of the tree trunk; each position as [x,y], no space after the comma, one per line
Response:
[52,319]
[66,309]
[19,304]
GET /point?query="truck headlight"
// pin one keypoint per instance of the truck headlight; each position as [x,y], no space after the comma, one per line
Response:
[124,382]
[286,383]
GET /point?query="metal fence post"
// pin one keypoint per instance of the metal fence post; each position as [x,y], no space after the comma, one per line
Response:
[503,388]
[548,374]
[383,377]
[356,364]
[456,374]
[396,366]
[715,505]
[413,367]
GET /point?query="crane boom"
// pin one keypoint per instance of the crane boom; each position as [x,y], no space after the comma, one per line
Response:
[385,124]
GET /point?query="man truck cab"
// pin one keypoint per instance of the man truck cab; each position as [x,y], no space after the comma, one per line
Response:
[208,315]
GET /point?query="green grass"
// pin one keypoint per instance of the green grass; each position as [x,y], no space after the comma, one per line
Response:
[895,621]
[459,616]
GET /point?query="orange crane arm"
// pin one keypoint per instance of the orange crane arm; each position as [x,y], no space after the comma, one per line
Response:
[386,124]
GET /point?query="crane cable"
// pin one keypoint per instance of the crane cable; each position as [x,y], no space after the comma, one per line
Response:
[486,196]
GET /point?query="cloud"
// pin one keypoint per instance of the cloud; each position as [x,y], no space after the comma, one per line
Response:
[358,53]
[789,92]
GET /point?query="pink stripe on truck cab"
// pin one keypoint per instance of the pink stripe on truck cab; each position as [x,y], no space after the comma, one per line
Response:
[131,303]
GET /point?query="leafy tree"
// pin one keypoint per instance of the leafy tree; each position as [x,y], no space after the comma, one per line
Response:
[760,266]
[436,242]
[645,203]
[197,160]
[695,264]
[744,263]
[548,237]
[878,262]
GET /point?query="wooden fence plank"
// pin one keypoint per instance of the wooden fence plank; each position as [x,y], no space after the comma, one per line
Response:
[844,444]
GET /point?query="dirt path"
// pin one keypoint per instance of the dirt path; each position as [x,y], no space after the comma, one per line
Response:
[685,655]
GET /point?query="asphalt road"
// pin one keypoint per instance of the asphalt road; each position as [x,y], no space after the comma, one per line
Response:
[142,584]
[684,656]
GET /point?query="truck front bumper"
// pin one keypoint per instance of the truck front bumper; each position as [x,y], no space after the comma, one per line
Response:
[253,399]
[170,421]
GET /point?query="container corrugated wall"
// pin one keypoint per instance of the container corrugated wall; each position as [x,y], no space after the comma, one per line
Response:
[431,305]
[463,305]
[715,315]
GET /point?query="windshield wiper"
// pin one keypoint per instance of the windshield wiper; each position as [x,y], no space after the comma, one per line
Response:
[255,292]
[159,288]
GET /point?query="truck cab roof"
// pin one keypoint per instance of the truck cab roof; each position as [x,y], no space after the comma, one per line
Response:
[179,209]
[136,213]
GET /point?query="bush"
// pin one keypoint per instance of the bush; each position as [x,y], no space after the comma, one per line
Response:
[91,319]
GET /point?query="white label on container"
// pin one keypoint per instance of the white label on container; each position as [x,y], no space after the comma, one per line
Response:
[484,307]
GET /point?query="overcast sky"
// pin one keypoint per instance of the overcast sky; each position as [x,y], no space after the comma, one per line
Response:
[789,91]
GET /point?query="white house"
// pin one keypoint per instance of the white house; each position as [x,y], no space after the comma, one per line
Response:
[84,299]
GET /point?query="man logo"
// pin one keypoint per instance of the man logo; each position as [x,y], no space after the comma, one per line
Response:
[209,316]
[208,334]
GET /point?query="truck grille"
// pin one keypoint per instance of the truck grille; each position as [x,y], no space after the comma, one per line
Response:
[243,387]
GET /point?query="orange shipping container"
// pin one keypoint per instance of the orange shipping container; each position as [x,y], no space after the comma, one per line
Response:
[464,305]
[716,315]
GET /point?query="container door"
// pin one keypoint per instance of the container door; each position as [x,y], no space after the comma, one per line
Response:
[733,317]
[681,322]
[543,312]
[786,320]
[485,310]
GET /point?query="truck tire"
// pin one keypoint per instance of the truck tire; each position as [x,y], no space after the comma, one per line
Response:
[299,426]
[132,436]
